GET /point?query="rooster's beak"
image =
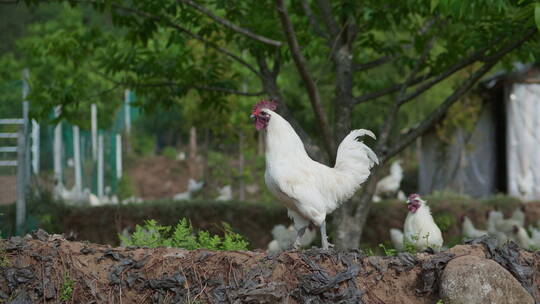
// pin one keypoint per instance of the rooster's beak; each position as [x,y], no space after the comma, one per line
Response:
[252,117]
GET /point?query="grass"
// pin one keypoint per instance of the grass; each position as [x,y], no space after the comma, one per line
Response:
[4,260]
[67,288]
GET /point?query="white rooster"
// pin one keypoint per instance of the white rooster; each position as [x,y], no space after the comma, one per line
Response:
[309,190]
[419,228]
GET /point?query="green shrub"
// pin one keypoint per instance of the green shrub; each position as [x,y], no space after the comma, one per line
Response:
[182,236]
[444,221]
[143,144]
[169,152]
[126,188]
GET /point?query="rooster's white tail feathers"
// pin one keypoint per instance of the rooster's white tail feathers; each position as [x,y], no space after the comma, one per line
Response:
[354,161]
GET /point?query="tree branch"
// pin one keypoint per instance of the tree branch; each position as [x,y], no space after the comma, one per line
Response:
[174,84]
[301,66]
[478,55]
[328,19]
[439,113]
[202,88]
[384,135]
[171,24]
[313,20]
[391,89]
[231,25]
[374,63]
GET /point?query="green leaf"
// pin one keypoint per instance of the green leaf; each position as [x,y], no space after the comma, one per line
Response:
[434,4]
[537,15]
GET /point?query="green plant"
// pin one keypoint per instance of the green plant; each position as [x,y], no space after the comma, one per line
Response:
[388,251]
[409,246]
[144,144]
[169,152]
[67,288]
[126,188]
[368,251]
[182,236]
[444,221]
[440,302]
[4,260]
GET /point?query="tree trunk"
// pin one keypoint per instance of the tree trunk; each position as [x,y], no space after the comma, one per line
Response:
[192,160]
[347,231]
[241,182]
[344,97]
[205,148]
[351,218]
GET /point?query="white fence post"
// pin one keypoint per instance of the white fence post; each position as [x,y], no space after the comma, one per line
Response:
[94,127]
[118,156]
[57,148]
[77,159]
[127,112]
[20,208]
[35,146]
[100,167]
[26,129]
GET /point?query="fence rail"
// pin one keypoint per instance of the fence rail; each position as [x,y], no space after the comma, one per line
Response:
[8,149]
[11,121]
[8,135]
[8,163]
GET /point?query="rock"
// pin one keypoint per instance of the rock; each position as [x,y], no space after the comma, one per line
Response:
[471,279]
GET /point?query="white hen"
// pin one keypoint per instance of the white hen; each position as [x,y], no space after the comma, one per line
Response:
[396,236]
[390,183]
[521,237]
[494,217]
[469,230]
[225,193]
[284,237]
[419,228]
[192,187]
[519,216]
[309,190]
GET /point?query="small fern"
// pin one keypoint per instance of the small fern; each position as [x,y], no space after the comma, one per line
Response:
[182,236]
[388,251]
[67,288]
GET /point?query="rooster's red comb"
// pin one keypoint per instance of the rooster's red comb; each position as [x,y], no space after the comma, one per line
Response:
[413,196]
[264,104]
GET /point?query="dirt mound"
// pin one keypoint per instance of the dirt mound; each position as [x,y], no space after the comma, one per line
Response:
[51,269]
[157,177]
[8,189]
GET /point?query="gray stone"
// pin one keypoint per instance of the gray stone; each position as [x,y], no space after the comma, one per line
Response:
[474,280]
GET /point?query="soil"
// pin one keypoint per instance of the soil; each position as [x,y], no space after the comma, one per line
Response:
[50,269]
[157,177]
[8,189]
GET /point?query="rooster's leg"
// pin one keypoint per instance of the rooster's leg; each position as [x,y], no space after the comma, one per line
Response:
[299,235]
[324,237]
